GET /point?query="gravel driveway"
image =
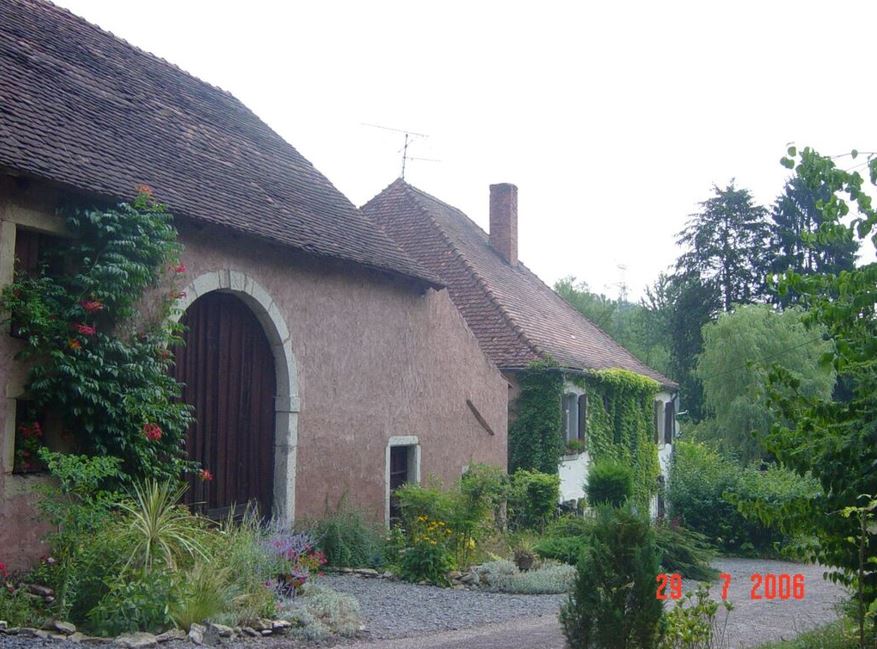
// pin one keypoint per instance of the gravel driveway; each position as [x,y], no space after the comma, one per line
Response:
[439,617]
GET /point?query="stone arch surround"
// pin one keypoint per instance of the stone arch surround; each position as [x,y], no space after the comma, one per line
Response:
[286,400]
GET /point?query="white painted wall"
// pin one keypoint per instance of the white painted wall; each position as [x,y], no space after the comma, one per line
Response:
[573,471]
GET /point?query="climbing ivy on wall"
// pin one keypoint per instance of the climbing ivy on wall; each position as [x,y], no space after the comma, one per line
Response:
[536,434]
[620,422]
[621,425]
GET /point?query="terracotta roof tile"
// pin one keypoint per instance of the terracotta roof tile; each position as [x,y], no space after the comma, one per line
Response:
[516,317]
[85,109]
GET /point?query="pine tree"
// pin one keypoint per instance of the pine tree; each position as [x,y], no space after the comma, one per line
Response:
[726,246]
[795,241]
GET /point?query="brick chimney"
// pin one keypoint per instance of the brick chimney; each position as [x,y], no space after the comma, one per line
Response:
[504,221]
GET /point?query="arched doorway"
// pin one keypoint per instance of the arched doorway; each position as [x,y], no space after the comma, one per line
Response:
[228,371]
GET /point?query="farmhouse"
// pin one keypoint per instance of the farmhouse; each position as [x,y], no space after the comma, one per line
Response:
[517,318]
[322,360]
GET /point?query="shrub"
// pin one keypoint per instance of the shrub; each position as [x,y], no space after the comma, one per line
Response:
[202,593]
[693,622]
[504,577]
[467,516]
[730,504]
[320,612]
[565,538]
[684,551]
[609,483]
[428,556]
[18,608]
[134,602]
[533,498]
[613,604]
[487,486]
[347,539]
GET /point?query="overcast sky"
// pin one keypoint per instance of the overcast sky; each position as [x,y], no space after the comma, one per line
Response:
[613,118]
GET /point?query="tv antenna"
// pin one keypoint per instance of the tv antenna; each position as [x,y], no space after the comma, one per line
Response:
[409,136]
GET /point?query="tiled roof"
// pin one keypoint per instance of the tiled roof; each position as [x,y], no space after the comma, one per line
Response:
[85,109]
[516,317]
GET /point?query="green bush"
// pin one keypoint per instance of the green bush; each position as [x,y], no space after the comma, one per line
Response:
[565,538]
[729,504]
[694,623]
[533,498]
[609,483]
[467,511]
[317,612]
[18,608]
[487,486]
[428,555]
[684,551]
[348,539]
[138,601]
[613,603]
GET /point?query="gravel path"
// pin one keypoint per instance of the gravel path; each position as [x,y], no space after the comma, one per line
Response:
[754,622]
[393,609]
[495,621]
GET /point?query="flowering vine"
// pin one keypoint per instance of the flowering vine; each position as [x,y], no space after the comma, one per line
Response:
[97,361]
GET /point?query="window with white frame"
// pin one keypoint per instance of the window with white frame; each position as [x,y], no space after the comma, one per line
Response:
[575,416]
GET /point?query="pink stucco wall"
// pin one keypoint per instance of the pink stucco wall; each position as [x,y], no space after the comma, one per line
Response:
[376,357]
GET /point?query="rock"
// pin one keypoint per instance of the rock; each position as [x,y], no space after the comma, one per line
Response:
[171,634]
[279,626]
[41,591]
[388,575]
[221,630]
[43,635]
[367,572]
[138,640]
[459,587]
[250,631]
[196,635]
[27,631]
[455,574]
[3,625]
[267,632]
[261,625]
[61,627]
[76,637]
[468,578]
[58,636]
[12,630]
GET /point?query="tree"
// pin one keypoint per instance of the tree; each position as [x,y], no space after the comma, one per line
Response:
[636,327]
[836,440]
[726,243]
[739,349]
[689,305]
[795,240]
[613,603]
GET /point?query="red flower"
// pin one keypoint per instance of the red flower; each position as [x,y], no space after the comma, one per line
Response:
[74,344]
[84,329]
[181,268]
[3,569]
[144,189]
[152,432]
[92,305]
[205,475]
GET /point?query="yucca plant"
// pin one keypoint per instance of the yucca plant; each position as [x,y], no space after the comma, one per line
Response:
[161,528]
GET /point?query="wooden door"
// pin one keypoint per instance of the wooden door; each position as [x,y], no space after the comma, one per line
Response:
[227,370]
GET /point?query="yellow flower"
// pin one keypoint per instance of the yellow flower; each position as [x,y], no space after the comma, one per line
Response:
[471,544]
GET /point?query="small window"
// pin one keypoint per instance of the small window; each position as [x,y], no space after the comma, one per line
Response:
[583,417]
[656,421]
[31,248]
[662,506]
[571,417]
[669,421]
[403,467]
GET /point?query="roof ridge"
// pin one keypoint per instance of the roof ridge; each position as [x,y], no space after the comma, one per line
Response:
[479,278]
